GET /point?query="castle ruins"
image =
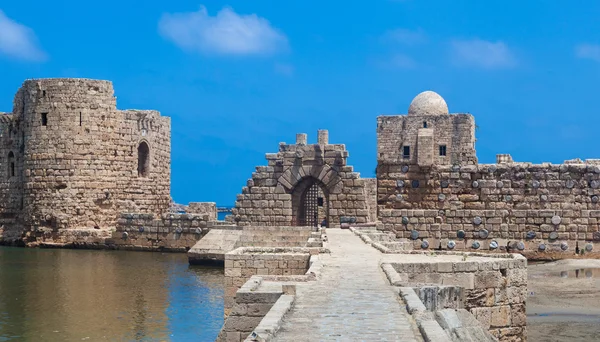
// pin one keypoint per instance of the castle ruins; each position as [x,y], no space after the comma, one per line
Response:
[73,167]
[76,170]
[430,189]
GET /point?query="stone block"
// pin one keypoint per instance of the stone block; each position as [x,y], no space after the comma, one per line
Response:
[517,294]
[240,323]
[233,272]
[466,280]
[445,267]
[488,279]
[233,336]
[259,309]
[483,315]
[500,316]
[519,315]
[480,298]
[517,276]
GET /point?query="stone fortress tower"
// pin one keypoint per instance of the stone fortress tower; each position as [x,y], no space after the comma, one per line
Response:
[428,135]
[71,162]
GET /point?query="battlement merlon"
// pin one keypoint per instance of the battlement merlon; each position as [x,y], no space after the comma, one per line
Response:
[303,145]
[146,119]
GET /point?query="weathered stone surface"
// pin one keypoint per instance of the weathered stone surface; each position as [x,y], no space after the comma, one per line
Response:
[511,200]
[298,169]
[72,161]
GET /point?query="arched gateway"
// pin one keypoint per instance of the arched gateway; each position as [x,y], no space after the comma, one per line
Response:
[303,184]
[310,203]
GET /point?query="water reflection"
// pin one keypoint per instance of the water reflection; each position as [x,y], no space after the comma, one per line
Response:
[74,295]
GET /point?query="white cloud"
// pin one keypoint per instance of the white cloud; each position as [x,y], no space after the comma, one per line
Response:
[482,54]
[284,69]
[226,33]
[18,41]
[402,61]
[394,61]
[588,51]
[405,36]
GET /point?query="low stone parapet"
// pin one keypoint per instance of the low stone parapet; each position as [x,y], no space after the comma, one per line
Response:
[493,288]
[171,232]
[245,262]
[224,239]
[260,304]
[214,245]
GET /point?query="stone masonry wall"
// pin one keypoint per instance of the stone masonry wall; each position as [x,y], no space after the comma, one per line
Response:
[371,197]
[274,194]
[495,289]
[244,262]
[521,207]
[151,192]
[173,232]
[11,174]
[77,159]
[209,208]
[455,131]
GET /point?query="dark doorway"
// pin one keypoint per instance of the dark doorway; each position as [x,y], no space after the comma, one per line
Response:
[310,203]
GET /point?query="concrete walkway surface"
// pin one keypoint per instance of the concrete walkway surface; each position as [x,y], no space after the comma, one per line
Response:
[351,301]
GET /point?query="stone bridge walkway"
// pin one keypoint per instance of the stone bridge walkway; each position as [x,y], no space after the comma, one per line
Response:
[352,301]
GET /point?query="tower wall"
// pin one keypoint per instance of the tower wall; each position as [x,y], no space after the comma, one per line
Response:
[456,132]
[149,193]
[11,175]
[70,167]
[76,161]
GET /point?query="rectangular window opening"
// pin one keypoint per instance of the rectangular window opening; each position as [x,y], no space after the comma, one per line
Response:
[406,152]
[424,124]
[80,119]
[443,150]
[44,119]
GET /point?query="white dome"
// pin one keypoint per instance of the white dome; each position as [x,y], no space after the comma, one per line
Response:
[428,103]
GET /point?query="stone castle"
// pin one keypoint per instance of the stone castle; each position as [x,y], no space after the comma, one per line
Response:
[430,189]
[74,169]
[69,160]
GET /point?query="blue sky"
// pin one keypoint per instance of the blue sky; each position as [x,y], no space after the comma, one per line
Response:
[238,77]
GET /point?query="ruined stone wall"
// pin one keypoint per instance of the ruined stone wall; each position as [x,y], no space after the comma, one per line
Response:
[209,208]
[520,206]
[148,192]
[454,131]
[274,193]
[173,232]
[495,289]
[371,197]
[77,158]
[244,262]
[11,175]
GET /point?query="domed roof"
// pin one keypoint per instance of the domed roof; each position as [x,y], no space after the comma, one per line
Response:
[428,103]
